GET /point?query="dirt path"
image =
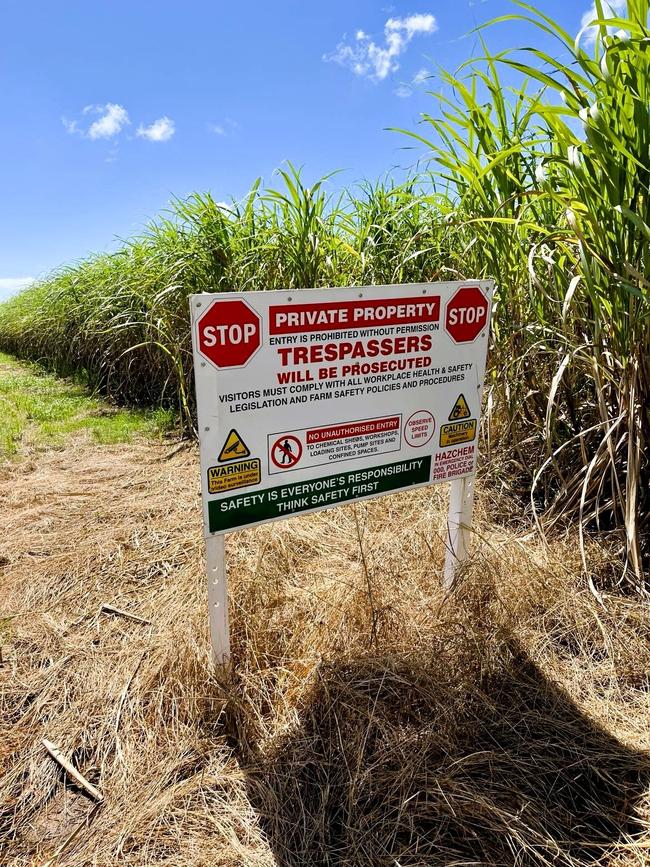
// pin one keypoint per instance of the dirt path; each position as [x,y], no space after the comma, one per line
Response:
[355,725]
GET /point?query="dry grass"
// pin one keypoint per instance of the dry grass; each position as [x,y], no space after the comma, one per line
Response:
[506,726]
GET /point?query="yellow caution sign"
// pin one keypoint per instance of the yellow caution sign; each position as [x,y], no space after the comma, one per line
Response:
[460,410]
[458,432]
[234,448]
[231,476]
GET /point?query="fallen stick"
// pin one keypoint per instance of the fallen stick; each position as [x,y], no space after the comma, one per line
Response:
[67,765]
[110,609]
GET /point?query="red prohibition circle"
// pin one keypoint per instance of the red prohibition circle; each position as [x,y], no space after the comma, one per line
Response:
[290,452]
[425,419]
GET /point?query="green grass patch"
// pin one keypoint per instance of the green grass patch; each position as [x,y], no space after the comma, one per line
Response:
[38,409]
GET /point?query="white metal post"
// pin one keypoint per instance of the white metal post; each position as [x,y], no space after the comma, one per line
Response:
[459,524]
[218,598]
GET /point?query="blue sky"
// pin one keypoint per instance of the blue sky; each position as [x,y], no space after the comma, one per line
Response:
[108,108]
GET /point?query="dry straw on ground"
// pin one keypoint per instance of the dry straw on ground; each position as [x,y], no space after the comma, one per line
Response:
[369,722]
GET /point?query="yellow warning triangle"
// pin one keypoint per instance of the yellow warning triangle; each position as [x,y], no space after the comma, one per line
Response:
[233,448]
[460,410]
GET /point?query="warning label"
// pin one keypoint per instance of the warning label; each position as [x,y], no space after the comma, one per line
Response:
[454,463]
[232,476]
[458,432]
[334,443]
[233,448]
[460,410]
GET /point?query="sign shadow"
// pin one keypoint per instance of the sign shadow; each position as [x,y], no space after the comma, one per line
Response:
[443,761]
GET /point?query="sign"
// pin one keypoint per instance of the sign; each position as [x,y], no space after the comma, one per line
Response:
[458,432]
[286,451]
[241,474]
[228,332]
[233,448]
[419,428]
[313,398]
[467,314]
[318,397]
[460,409]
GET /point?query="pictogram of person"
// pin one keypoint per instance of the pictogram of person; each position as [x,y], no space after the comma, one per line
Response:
[287,452]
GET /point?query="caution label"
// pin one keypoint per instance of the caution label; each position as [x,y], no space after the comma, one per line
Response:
[234,448]
[460,409]
[229,477]
[458,432]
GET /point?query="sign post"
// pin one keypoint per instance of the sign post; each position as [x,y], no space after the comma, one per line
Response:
[215,556]
[459,525]
[313,398]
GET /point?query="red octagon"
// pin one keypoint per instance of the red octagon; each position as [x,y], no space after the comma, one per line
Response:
[229,333]
[466,314]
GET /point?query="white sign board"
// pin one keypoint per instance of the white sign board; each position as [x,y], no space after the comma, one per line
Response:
[312,398]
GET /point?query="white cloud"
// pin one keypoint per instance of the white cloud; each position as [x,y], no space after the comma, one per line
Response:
[366,58]
[113,119]
[405,90]
[421,76]
[611,9]
[71,126]
[110,121]
[227,126]
[160,130]
[412,25]
[10,285]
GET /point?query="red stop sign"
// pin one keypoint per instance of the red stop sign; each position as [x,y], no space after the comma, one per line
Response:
[466,314]
[229,333]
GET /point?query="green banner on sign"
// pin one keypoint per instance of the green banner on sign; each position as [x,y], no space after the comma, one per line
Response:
[285,500]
